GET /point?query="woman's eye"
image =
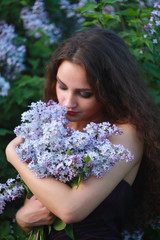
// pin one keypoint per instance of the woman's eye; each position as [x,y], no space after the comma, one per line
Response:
[86,94]
[63,87]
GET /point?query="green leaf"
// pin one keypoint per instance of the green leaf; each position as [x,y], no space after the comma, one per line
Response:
[149,45]
[90,23]
[87,159]
[20,234]
[59,225]
[74,182]
[41,233]
[29,193]
[68,152]
[128,12]
[49,229]
[7,2]
[5,228]
[89,6]
[109,1]
[34,62]
[4,132]
[81,175]
[69,231]
[86,168]
[78,182]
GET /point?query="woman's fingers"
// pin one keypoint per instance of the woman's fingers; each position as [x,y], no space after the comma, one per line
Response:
[34,213]
[17,141]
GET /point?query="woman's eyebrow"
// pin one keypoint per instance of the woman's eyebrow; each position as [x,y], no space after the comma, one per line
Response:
[79,89]
[58,79]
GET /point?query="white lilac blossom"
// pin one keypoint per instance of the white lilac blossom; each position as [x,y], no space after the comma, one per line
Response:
[4,87]
[52,148]
[37,20]
[9,191]
[11,52]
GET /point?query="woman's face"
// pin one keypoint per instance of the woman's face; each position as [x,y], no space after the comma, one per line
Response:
[74,92]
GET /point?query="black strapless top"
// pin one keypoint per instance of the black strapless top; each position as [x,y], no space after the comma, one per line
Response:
[107,221]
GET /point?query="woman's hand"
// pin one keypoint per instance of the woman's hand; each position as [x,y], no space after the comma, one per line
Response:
[33,213]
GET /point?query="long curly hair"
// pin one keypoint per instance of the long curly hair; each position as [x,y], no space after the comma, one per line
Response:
[117,83]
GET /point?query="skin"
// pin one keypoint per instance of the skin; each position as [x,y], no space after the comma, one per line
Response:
[74,92]
[71,204]
[34,213]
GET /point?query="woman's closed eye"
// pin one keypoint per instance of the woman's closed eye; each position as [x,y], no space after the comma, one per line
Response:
[82,93]
[85,94]
[62,86]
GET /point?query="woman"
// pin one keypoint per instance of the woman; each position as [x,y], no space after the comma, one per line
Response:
[94,76]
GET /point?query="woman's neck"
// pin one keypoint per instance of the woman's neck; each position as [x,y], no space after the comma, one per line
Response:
[82,124]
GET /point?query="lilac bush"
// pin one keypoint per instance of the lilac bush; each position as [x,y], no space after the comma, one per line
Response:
[152,28]
[9,191]
[36,22]
[12,53]
[4,87]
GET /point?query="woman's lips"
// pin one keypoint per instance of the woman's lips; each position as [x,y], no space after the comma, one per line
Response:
[70,113]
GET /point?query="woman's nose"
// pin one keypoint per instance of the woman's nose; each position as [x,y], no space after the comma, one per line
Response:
[70,101]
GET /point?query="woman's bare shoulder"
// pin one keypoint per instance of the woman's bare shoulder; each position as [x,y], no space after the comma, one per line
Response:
[131,138]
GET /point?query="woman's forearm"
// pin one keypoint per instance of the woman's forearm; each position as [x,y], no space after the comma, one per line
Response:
[47,190]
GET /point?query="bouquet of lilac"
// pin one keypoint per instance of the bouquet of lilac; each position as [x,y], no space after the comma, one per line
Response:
[52,148]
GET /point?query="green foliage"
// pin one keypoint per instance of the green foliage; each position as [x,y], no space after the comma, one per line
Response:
[59,224]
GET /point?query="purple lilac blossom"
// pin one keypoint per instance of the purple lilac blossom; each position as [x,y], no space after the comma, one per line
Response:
[70,9]
[136,235]
[9,191]
[152,28]
[11,52]
[37,19]
[109,9]
[4,87]
[52,148]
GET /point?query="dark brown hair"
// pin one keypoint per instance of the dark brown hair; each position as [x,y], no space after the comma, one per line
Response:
[117,84]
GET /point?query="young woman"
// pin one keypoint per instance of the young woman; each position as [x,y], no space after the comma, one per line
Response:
[95,77]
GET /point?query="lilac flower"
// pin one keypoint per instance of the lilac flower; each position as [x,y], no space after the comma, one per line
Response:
[155,41]
[152,28]
[52,148]
[4,87]
[136,235]
[37,20]
[70,9]
[109,9]
[9,191]
[11,52]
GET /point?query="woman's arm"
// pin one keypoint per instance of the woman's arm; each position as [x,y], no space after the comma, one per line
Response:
[32,214]
[71,204]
